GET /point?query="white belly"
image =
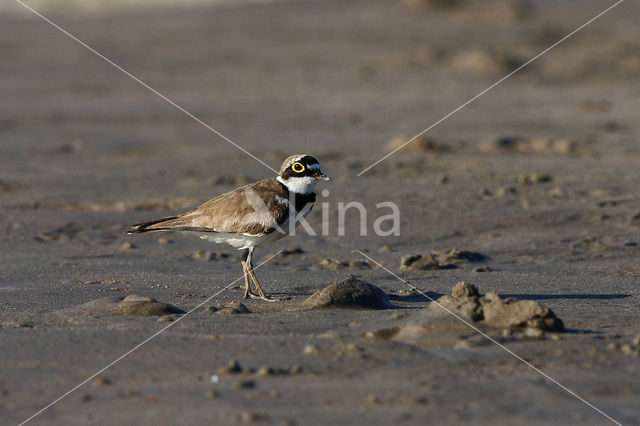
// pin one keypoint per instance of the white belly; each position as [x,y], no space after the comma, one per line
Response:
[241,241]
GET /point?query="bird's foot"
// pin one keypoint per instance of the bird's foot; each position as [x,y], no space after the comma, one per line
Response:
[251,295]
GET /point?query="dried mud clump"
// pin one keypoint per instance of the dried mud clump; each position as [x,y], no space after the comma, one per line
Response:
[510,313]
[4,187]
[349,293]
[209,255]
[419,144]
[440,260]
[336,264]
[425,262]
[132,305]
[285,256]
[482,61]
[541,145]
[232,308]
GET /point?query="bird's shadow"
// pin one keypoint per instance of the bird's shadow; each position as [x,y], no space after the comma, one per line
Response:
[521,296]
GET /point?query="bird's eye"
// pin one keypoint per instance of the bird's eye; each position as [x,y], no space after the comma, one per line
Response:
[297,167]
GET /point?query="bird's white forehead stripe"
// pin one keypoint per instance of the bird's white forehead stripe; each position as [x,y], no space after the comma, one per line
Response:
[294,159]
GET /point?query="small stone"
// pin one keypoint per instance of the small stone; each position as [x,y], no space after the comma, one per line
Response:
[245,384]
[296,369]
[383,333]
[212,394]
[534,333]
[272,371]
[310,349]
[534,178]
[419,144]
[101,381]
[626,349]
[384,249]
[85,397]
[127,246]
[373,399]
[479,269]
[420,400]
[233,368]
[614,346]
[331,264]
[636,340]
[359,264]
[209,255]
[266,371]
[249,417]
[232,308]
[442,179]
[506,190]
[557,192]
[164,240]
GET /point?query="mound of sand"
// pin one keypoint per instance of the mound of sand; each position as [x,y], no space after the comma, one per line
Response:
[133,304]
[349,293]
[440,260]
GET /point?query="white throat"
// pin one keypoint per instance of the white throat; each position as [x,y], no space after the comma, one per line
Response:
[299,185]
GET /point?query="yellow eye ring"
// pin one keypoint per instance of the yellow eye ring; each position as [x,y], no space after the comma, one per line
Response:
[297,167]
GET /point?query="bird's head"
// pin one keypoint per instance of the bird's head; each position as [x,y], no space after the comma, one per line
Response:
[300,173]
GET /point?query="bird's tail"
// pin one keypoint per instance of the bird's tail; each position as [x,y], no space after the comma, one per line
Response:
[154,225]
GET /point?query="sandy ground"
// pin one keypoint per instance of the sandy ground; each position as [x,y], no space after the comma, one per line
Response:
[85,152]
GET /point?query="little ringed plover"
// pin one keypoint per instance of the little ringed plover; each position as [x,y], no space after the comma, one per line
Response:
[251,216]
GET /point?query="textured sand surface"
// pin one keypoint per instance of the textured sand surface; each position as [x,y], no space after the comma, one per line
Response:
[540,176]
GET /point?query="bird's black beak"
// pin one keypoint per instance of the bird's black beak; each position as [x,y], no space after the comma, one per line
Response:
[321,176]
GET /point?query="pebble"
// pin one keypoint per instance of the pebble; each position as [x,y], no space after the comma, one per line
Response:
[249,417]
[310,349]
[232,368]
[101,381]
[627,349]
[272,371]
[245,384]
[127,246]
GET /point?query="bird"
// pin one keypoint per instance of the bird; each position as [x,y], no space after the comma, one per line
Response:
[251,216]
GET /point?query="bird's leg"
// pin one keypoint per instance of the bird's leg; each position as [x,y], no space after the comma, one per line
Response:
[245,271]
[261,294]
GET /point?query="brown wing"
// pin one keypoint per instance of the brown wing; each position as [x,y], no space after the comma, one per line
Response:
[253,209]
